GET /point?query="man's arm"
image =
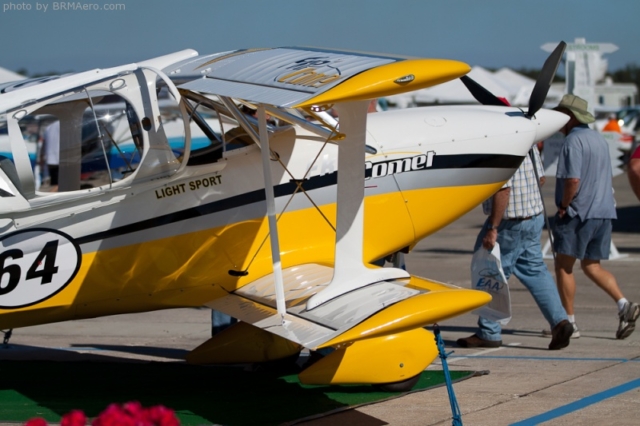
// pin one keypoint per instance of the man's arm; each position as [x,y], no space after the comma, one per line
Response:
[538,165]
[569,191]
[499,205]
[634,176]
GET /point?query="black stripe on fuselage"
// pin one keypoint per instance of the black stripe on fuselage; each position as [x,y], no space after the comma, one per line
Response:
[473,161]
[317,182]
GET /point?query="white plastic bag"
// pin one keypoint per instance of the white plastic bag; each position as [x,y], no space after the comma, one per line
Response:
[487,275]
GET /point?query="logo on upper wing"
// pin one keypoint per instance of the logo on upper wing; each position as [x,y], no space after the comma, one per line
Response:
[35,264]
[305,72]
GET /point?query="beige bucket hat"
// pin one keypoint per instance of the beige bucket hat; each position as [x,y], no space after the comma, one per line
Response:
[578,107]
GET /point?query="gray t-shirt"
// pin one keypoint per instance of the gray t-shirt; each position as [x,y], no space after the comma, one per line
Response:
[585,156]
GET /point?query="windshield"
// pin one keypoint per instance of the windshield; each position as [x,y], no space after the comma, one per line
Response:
[215,130]
[80,141]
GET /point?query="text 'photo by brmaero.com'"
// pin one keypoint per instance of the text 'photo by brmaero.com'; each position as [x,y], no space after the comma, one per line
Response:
[60,6]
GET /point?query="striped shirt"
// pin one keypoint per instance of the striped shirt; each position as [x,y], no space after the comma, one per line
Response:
[524,198]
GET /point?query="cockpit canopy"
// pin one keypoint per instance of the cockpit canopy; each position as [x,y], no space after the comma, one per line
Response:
[107,129]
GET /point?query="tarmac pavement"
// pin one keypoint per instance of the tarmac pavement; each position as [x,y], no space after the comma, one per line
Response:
[596,380]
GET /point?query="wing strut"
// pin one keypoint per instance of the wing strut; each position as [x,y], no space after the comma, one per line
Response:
[271,212]
[350,273]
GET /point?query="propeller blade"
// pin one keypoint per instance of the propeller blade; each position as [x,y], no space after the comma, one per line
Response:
[481,94]
[540,90]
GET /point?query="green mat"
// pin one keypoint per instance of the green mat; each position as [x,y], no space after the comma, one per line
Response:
[198,394]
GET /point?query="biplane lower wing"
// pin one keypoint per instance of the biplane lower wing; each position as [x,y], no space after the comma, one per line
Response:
[380,309]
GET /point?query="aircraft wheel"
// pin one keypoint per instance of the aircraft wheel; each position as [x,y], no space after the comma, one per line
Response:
[401,386]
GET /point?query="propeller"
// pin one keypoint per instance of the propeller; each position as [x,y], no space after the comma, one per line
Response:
[481,94]
[539,92]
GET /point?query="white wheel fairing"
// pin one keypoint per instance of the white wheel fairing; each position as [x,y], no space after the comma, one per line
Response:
[35,264]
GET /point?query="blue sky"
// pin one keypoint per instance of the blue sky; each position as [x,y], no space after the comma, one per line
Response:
[489,33]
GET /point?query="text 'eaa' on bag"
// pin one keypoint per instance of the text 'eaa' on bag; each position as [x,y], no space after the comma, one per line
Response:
[487,275]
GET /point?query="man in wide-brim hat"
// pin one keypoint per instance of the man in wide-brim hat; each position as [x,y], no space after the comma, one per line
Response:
[575,107]
[582,227]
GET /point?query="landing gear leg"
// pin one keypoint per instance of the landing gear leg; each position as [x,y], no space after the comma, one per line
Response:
[7,336]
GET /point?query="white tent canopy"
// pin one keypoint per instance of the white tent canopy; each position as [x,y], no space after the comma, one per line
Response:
[506,83]
[524,86]
[7,76]
[456,92]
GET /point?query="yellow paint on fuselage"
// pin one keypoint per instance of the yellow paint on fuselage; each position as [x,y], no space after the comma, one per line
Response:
[193,268]
[433,209]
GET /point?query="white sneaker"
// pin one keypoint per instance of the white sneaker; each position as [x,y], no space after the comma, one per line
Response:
[576,332]
[628,316]
[575,335]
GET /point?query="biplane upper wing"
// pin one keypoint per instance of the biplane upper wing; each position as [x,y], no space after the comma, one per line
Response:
[295,77]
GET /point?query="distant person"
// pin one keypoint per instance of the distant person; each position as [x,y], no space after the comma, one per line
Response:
[612,125]
[373,106]
[51,146]
[633,172]
[586,207]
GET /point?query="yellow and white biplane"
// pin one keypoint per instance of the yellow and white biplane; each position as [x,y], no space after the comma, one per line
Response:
[185,199]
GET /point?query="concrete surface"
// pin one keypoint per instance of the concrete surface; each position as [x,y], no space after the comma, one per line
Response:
[597,374]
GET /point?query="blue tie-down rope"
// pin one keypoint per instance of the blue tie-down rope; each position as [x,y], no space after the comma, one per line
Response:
[455,410]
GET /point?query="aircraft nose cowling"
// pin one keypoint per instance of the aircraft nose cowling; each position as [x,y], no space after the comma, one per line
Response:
[548,122]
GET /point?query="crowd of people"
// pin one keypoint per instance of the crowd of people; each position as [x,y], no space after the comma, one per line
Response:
[581,229]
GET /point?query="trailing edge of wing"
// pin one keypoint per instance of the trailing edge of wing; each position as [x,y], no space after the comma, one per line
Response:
[292,77]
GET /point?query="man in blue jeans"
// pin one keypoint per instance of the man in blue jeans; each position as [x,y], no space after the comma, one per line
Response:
[515,221]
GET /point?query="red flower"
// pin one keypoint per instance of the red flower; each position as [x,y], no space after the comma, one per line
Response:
[162,416]
[133,409]
[74,418]
[128,414]
[133,414]
[113,415]
[36,421]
